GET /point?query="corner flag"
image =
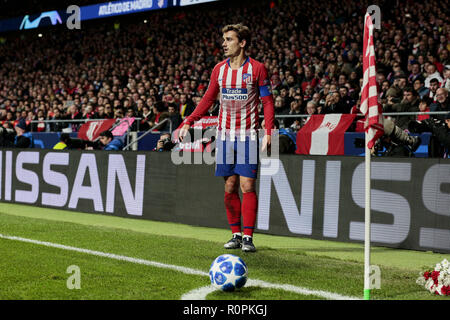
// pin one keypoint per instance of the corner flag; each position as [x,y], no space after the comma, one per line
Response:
[369,96]
[373,126]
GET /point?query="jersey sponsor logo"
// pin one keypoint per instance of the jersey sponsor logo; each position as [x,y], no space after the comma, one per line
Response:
[234,94]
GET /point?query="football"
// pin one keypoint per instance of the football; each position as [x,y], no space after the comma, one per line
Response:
[228,272]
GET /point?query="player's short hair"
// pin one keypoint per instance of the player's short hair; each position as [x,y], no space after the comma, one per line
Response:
[243,32]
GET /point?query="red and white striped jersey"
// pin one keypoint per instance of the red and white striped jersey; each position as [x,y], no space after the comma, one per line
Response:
[240,92]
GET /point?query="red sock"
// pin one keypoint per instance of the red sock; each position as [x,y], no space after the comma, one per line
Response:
[249,211]
[233,207]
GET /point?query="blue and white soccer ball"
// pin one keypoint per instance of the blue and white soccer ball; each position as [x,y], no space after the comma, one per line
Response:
[228,272]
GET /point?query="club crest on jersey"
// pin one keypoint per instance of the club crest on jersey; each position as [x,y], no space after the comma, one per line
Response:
[247,77]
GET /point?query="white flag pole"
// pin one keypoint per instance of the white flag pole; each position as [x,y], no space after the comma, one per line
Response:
[367,225]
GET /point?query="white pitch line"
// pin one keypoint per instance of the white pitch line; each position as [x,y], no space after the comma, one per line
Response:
[196,294]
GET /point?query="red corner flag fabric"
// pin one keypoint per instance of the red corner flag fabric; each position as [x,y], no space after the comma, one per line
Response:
[369,96]
[323,134]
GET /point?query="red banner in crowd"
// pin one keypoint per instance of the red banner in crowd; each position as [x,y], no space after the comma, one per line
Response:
[92,129]
[324,134]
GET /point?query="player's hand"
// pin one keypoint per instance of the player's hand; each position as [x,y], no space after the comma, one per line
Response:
[183,132]
[266,142]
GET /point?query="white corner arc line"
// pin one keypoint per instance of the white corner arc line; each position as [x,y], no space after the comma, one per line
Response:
[199,293]
[196,294]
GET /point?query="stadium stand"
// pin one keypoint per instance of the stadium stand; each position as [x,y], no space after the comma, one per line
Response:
[312,51]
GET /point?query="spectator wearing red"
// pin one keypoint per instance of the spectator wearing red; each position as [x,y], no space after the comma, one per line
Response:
[309,78]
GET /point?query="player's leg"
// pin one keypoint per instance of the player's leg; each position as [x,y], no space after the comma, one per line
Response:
[249,211]
[247,169]
[225,168]
[233,203]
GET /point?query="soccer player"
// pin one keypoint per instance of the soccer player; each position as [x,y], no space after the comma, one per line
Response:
[241,82]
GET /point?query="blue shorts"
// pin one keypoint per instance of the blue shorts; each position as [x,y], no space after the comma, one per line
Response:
[237,157]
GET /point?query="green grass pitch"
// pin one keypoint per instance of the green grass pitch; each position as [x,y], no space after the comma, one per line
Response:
[35,271]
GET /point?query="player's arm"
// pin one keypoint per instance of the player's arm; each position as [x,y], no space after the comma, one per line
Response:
[265,94]
[205,103]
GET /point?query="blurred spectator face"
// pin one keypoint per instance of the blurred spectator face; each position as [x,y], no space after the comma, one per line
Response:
[278,102]
[408,96]
[385,86]
[417,85]
[105,140]
[380,77]
[108,108]
[295,106]
[423,106]
[311,108]
[171,109]
[402,83]
[343,92]
[73,109]
[431,69]
[291,80]
[396,67]
[331,57]
[308,72]
[441,95]
[335,97]
[168,98]
[415,69]
[316,98]
[444,53]
[421,60]
[447,74]
[308,90]
[434,85]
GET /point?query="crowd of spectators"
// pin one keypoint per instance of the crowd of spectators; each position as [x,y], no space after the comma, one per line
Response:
[160,67]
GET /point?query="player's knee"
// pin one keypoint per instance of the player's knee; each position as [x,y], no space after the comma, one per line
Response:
[231,185]
[247,186]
